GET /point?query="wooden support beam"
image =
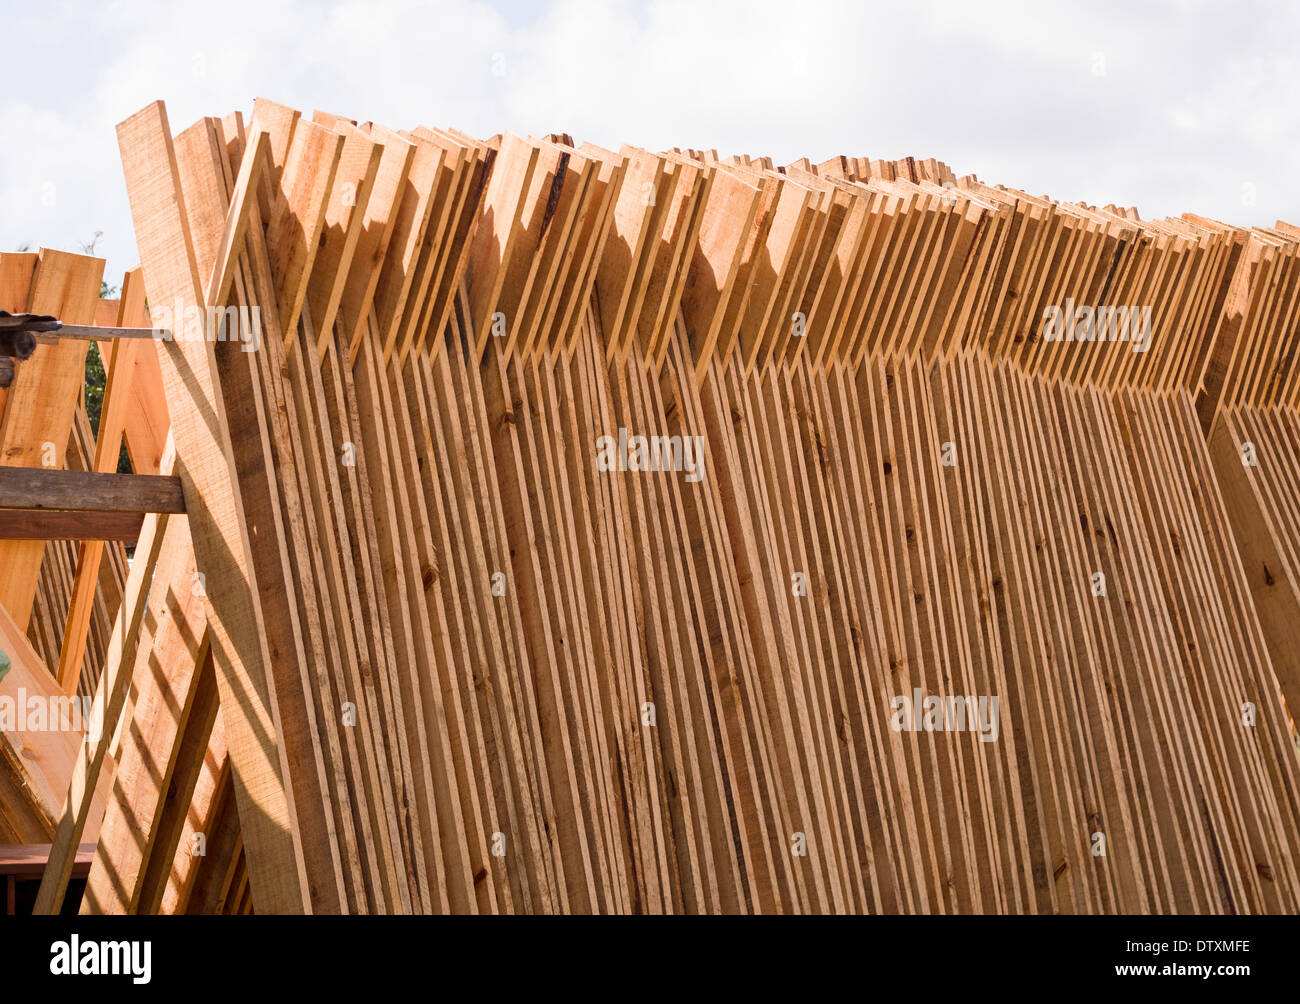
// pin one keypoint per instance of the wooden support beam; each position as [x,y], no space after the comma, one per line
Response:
[146,422]
[54,524]
[28,860]
[218,524]
[94,333]
[119,367]
[89,491]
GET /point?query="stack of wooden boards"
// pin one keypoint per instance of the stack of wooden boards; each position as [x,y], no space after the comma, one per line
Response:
[58,576]
[413,647]
[43,425]
[1249,411]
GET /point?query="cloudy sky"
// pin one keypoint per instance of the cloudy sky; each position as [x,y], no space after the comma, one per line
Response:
[1169,107]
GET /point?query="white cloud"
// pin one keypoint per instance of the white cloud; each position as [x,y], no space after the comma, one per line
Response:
[1195,99]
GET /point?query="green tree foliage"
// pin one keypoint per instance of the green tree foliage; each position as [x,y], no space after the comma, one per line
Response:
[95,375]
[95,380]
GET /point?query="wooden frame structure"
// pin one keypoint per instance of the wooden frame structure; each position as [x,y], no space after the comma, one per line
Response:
[407,646]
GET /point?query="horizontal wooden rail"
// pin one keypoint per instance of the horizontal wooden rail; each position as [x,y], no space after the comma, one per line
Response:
[95,333]
[61,524]
[28,860]
[84,491]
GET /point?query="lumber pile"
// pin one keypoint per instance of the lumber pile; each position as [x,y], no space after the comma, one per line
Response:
[577,530]
[1248,411]
[58,576]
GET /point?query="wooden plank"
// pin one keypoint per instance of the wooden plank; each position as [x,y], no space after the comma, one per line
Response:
[88,526]
[298,215]
[89,491]
[79,813]
[377,229]
[37,754]
[218,524]
[145,423]
[112,422]
[344,219]
[28,860]
[502,227]
[39,406]
[398,272]
[259,419]
[164,694]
